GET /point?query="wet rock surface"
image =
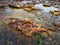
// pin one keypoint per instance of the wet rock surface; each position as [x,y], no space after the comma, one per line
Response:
[46,20]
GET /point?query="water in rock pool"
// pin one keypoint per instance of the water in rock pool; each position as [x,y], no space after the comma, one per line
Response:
[43,28]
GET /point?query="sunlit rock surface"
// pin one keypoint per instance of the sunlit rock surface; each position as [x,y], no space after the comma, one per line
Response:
[45,9]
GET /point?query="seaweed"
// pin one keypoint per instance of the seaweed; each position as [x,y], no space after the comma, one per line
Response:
[37,38]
